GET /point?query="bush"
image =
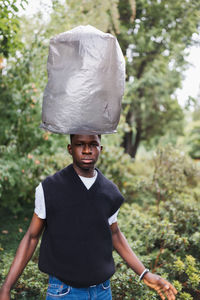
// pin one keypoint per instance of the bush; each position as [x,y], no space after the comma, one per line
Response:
[162,248]
[160,219]
[19,176]
[27,153]
[168,241]
[32,283]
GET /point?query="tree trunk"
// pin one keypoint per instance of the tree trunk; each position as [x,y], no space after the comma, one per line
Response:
[131,145]
[137,142]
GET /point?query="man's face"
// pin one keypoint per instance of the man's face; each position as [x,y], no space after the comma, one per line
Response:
[85,150]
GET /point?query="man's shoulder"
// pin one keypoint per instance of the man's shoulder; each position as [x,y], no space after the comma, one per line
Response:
[107,181]
[57,176]
[112,191]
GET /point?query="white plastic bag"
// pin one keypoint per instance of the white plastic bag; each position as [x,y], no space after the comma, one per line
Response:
[86,76]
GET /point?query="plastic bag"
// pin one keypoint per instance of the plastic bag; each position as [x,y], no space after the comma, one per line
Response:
[86,77]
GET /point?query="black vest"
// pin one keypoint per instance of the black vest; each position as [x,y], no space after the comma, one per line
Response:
[76,244]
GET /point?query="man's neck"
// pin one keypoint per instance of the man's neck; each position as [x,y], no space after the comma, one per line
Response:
[90,172]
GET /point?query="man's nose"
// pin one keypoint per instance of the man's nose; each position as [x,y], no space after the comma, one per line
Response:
[87,149]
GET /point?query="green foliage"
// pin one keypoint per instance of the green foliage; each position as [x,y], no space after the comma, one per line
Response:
[161,215]
[32,284]
[27,153]
[162,248]
[9,27]
[193,139]
[173,173]
[188,273]
[154,52]
[19,106]
[160,219]
[167,242]
[19,177]
[101,14]
[154,45]
[196,112]
[169,173]
[169,177]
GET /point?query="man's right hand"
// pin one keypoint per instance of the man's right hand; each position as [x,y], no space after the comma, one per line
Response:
[4,294]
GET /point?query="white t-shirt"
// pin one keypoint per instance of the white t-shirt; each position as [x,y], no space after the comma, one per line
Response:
[40,208]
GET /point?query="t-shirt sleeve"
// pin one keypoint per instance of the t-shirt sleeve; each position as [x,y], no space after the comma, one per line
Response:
[113,218]
[40,208]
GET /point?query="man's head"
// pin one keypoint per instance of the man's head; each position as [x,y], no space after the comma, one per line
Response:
[85,150]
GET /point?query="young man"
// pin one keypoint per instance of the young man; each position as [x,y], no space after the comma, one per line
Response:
[80,230]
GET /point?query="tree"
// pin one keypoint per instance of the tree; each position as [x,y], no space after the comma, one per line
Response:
[9,27]
[101,14]
[155,49]
[26,151]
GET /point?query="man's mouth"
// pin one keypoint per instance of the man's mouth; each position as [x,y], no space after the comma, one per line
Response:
[87,160]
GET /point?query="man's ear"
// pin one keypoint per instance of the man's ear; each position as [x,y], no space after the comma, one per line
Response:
[69,148]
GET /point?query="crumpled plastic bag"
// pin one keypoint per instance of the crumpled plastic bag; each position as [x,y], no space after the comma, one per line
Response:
[86,77]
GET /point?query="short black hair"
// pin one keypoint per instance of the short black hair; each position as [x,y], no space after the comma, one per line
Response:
[72,135]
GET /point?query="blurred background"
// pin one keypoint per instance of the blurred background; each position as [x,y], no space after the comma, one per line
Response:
[155,156]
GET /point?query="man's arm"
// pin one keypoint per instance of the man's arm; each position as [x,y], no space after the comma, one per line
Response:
[162,286]
[23,255]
